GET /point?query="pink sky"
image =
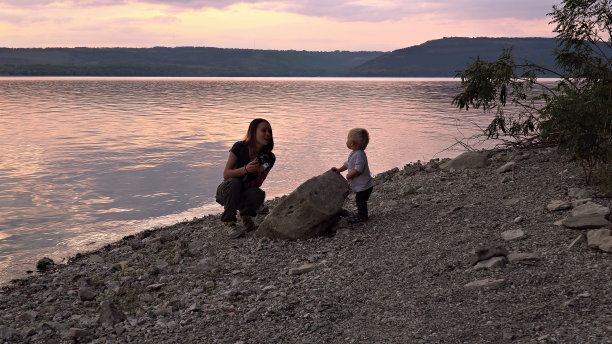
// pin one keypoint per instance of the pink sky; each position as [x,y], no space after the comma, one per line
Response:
[275,24]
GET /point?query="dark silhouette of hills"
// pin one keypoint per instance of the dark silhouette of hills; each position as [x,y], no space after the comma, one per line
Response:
[181,61]
[444,57]
[436,58]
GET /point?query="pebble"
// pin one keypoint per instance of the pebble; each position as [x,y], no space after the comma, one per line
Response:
[513,234]
[485,283]
[302,269]
[259,290]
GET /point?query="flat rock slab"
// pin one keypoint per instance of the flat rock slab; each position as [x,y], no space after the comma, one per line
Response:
[513,234]
[590,208]
[600,239]
[468,160]
[156,286]
[485,253]
[556,205]
[495,262]
[586,222]
[518,257]
[578,202]
[509,166]
[578,193]
[486,283]
[302,269]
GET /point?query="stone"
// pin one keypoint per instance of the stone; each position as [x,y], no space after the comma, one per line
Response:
[156,286]
[507,334]
[28,332]
[590,208]
[517,257]
[119,330]
[27,316]
[518,219]
[577,202]
[86,294]
[495,262]
[44,264]
[78,333]
[511,201]
[270,287]
[556,205]
[8,334]
[468,160]
[251,315]
[309,210]
[110,314]
[194,308]
[485,284]
[513,234]
[204,265]
[586,222]
[578,193]
[600,239]
[302,269]
[96,259]
[195,248]
[507,167]
[485,253]
[571,302]
[575,241]
[118,267]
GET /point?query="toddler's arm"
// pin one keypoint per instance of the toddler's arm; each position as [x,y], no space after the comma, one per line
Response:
[339,170]
[353,174]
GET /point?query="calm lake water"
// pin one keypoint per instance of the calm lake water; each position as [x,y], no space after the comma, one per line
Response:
[86,161]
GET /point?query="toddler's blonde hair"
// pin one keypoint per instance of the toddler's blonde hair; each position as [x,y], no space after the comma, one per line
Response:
[360,136]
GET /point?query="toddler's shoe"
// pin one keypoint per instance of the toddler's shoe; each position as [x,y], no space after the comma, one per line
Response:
[357,219]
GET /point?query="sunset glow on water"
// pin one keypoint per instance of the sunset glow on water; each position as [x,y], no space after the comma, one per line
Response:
[86,161]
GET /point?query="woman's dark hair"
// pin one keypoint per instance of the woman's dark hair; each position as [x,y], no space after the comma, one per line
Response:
[253,129]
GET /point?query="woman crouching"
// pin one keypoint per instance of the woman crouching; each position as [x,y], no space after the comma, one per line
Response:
[247,167]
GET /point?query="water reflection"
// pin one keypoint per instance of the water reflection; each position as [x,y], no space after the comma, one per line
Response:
[88,160]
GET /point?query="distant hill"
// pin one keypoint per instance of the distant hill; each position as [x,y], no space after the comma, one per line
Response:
[444,57]
[181,61]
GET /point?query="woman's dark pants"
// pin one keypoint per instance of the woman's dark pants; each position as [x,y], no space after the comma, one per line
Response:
[232,195]
[361,198]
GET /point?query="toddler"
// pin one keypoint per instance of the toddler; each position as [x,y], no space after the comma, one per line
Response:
[358,175]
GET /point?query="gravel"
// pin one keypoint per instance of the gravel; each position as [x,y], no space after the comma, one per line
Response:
[405,276]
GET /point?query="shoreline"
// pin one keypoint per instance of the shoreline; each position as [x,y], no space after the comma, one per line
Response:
[392,278]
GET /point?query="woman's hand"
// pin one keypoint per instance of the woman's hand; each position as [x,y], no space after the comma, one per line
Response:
[254,166]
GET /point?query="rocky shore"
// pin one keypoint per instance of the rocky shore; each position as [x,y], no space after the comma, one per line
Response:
[448,256]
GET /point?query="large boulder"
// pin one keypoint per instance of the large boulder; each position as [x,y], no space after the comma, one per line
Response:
[309,210]
[468,160]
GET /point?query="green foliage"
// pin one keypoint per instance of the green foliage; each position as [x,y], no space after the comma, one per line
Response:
[575,113]
[491,85]
[602,179]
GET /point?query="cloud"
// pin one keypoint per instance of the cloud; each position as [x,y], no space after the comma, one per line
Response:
[82,3]
[350,10]
[385,10]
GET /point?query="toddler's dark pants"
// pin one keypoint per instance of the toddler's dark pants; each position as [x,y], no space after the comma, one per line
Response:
[361,198]
[232,195]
